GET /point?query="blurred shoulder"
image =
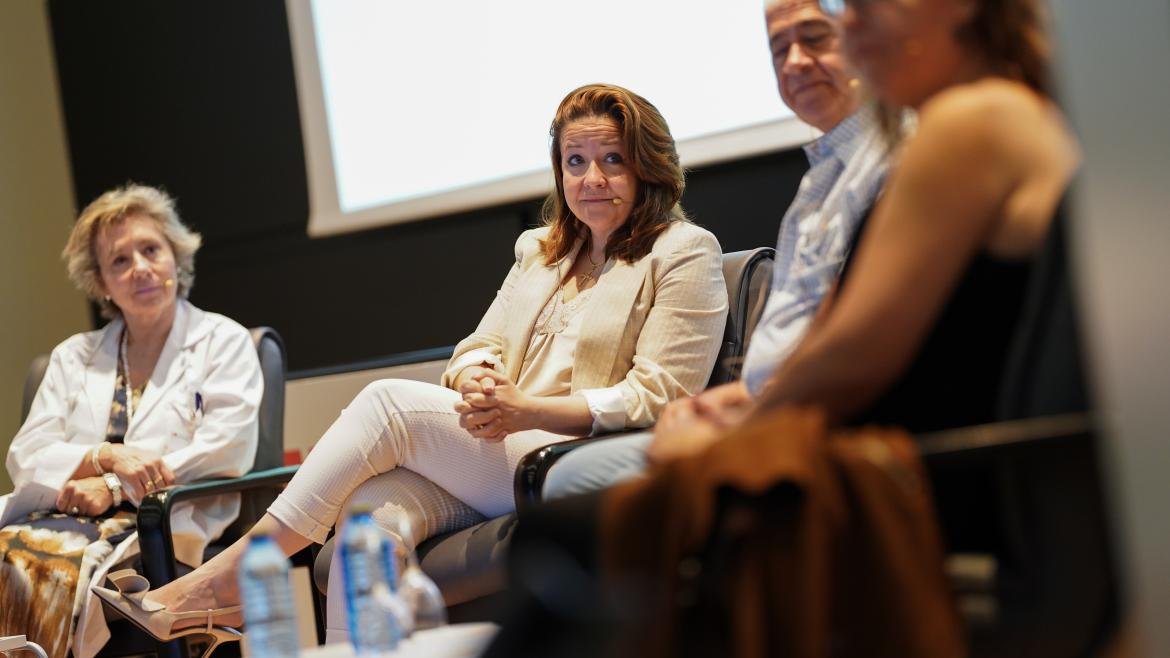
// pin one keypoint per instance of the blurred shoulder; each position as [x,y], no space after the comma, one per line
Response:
[989,100]
[993,113]
[998,135]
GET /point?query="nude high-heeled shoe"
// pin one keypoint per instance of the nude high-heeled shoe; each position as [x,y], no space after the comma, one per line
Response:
[152,617]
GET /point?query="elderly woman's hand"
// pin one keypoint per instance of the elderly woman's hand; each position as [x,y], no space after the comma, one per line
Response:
[87,496]
[141,471]
[493,407]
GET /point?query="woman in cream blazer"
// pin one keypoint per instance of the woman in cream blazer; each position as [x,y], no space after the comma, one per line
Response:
[651,335]
[613,309]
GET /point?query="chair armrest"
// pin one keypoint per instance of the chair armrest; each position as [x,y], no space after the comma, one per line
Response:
[532,470]
[154,516]
[995,440]
[990,441]
[402,359]
[1048,579]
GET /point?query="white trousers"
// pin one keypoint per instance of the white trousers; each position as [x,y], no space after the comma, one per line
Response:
[397,423]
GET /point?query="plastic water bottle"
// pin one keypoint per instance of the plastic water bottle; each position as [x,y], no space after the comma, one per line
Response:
[266,594]
[416,589]
[423,597]
[368,564]
[399,607]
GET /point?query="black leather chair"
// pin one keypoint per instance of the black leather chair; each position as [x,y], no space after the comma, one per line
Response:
[259,489]
[468,564]
[32,381]
[1021,502]
[154,531]
[748,275]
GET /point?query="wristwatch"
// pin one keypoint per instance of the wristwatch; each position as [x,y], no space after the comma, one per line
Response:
[115,486]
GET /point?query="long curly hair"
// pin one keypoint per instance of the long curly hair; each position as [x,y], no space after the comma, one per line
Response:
[653,158]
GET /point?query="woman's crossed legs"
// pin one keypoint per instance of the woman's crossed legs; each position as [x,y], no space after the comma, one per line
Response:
[390,424]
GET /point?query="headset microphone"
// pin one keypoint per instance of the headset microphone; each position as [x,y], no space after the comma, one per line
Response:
[617,201]
[169,282]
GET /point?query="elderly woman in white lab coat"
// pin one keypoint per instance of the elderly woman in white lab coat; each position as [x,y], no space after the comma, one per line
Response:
[164,394]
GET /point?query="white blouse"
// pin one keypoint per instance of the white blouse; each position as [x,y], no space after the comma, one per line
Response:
[548,361]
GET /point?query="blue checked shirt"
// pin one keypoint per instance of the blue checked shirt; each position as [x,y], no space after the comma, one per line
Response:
[848,168]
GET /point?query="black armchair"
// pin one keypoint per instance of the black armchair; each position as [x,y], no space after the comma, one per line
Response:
[259,486]
[748,275]
[1022,500]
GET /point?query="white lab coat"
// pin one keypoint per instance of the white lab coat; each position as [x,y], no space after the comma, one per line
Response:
[207,356]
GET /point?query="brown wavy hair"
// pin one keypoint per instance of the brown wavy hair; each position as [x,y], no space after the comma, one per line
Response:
[1013,35]
[653,159]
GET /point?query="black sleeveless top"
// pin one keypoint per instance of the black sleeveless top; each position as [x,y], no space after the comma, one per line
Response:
[957,376]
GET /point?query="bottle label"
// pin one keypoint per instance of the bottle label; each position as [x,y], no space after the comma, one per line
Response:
[266,595]
[372,625]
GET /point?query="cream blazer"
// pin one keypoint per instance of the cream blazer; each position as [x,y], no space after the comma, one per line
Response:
[652,329]
[206,354]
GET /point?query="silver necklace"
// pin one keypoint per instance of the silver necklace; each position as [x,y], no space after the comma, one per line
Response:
[126,377]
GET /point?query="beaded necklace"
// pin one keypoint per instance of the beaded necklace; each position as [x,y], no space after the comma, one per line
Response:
[126,378]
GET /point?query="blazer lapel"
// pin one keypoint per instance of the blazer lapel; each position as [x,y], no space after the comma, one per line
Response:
[532,293]
[607,315]
[100,373]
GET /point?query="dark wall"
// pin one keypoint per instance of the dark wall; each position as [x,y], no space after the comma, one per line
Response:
[200,98]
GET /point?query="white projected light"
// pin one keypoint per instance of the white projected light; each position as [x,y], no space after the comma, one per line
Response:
[416,109]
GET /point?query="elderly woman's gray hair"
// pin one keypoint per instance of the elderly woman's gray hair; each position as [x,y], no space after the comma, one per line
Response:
[112,208]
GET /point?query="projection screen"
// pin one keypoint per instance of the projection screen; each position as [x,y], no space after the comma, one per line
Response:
[412,110]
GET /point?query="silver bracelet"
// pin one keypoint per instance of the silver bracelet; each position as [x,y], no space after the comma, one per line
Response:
[94,457]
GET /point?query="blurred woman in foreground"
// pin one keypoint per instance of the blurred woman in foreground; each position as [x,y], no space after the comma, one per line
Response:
[918,333]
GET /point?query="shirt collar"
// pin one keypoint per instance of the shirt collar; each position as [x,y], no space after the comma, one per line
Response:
[844,139]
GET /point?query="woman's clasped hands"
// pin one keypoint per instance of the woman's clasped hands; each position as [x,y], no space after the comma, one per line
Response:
[492,406]
[89,496]
[141,471]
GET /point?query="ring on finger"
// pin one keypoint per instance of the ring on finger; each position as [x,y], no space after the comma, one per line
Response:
[75,510]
